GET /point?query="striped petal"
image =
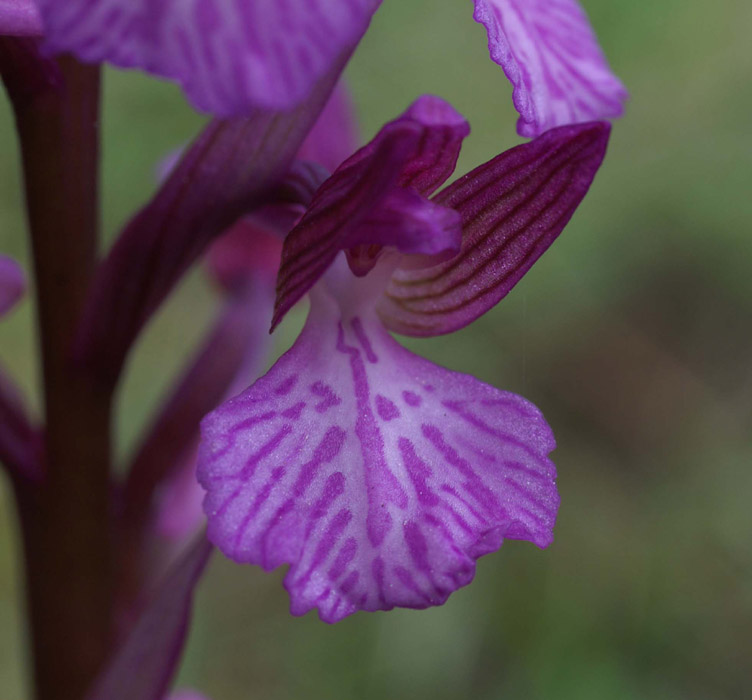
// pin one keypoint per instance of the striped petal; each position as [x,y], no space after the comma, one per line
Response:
[19,18]
[12,283]
[513,208]
[417,151]
[552,58]
[229,56]
[378,476]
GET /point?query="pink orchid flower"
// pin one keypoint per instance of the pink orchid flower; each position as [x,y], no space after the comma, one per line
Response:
[378,476]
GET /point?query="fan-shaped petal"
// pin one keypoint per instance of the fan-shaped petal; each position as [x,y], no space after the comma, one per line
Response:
[377,475]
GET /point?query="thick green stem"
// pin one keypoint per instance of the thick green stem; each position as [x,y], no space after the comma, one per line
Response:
[66,521]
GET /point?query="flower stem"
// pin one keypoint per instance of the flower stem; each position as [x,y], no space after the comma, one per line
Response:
[66,521]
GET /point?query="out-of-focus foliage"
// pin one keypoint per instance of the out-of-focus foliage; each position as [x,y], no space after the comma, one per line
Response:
[633,334]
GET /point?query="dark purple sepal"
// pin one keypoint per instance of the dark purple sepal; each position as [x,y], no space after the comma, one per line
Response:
[144,664]
[513,208]
[416,151]
[231,168]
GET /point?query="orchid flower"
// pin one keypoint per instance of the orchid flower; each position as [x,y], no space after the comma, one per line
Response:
[231,57]
[378,476]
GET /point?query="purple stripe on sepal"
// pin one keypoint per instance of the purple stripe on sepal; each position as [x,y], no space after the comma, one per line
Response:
[229,57]
[388,497]
[551,56]
[416,151]
[513,208]
[230,169]
[143,666]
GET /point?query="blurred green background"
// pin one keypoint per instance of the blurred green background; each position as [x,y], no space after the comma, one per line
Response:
[633,334]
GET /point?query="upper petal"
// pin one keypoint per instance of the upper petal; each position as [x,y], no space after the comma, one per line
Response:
[19,18]
[378,476]
[229,57]
[416,151]
[552,58]
[12,283]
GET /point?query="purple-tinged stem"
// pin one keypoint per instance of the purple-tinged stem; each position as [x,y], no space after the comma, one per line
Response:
[66,520]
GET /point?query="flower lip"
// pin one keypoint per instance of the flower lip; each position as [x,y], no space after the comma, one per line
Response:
[378,476]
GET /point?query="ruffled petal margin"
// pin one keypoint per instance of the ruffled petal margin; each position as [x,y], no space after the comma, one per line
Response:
[552,58]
